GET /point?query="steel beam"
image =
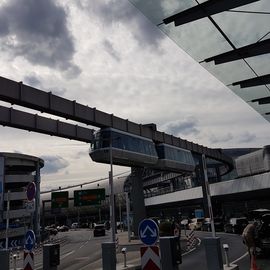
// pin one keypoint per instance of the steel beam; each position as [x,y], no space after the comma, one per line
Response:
[33,122]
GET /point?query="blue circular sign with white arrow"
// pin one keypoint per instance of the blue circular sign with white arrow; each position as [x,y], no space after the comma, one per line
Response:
[30,240]
[148,232]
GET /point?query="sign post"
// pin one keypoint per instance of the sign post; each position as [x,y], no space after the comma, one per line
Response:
[29,243]
[148,233]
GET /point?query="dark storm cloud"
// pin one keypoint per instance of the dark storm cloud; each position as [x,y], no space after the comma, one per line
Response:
[37,30]
[53,164]
[183,127]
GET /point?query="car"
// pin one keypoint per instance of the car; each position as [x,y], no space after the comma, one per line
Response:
[264,234]
[196,224]
[218,224]
[99,230]
[184,223]
[51,231]
[74,225]
[63,228]
[236,225]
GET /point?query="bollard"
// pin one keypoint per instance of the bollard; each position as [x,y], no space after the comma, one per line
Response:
[108,256]
[4,259]
[213,253]
[124,252]
[15,261]
[226,250]
[170,252]
[51,256]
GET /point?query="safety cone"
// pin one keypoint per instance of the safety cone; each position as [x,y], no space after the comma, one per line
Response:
[253,263]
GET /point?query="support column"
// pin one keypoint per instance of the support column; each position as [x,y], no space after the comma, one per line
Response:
[137,197]
[37,204]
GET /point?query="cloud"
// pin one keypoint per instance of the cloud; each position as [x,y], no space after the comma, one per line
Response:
[247,137]
[53,164]
[221,138]
[183,127]
[38,32]
[111,50]
[122,12]
[35,80]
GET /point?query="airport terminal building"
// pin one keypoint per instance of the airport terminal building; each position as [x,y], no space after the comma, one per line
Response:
[234,194]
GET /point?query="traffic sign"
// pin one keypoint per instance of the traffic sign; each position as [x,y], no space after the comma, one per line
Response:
[59,199]
[88,196]
[148,232]
[31,191]
[150,259]
[28,261]
[30,240]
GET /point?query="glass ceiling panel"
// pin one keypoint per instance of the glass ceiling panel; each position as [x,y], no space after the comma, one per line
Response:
[217,34]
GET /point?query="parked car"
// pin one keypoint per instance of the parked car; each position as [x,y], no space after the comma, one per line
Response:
[184,223]
[196,224]
[236,225]
[51,231]
[218,224]
[99,230]
[264,234]
[74,225]
[63,228]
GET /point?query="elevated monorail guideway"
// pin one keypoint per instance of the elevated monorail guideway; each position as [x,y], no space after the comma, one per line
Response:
[27,96]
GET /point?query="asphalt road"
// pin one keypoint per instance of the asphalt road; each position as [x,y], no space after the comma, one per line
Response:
[80,250]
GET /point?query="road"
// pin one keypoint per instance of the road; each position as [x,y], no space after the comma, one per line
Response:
[80,250]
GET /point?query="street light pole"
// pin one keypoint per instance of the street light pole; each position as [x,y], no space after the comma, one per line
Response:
[112,208]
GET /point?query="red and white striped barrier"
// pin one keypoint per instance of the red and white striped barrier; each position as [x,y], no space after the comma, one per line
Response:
[28,262]
[150,259]
[191,240]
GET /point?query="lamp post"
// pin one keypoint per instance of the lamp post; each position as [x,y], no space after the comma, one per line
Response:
[112,208]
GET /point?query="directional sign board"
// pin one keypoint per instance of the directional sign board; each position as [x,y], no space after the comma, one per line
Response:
[88,196]
[30,240]
[59,199]
[148,232]
[31,191]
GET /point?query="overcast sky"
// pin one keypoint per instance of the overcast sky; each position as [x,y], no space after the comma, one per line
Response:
[106,54]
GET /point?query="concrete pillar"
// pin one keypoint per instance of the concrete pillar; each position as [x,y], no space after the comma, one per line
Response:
[137,197]
[108,256]
[213,253]
[4,259]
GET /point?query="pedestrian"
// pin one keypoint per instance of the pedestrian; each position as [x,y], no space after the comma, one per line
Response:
[250,238]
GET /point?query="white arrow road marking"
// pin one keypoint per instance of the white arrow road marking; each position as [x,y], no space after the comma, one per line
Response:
[153,232]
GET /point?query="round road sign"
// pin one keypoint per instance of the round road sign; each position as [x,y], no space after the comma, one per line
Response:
[148,232]
[31,191]
[30,240]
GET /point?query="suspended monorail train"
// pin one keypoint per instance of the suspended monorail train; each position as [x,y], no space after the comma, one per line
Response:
[137,151]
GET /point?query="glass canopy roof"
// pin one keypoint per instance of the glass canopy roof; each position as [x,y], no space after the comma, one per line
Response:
[230,38]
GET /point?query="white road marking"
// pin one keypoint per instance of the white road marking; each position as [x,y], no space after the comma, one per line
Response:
[240,258]
[67,254]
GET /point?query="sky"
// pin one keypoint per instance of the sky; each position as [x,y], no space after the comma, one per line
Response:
[106,54]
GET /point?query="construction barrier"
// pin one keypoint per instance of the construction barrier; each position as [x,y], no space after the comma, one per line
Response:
[150,259]
[191,240]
